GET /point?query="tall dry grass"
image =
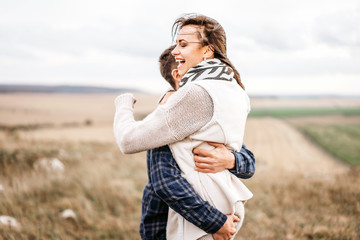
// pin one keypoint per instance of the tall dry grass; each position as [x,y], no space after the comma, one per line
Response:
[294,207]
[297,195]
[104,189]
[100,185]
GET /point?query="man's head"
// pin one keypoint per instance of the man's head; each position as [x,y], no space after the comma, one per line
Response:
[168,67]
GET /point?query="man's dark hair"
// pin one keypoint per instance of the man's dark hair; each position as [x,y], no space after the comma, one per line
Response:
[167,64]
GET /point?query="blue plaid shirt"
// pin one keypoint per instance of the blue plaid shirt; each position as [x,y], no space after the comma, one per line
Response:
[167,188]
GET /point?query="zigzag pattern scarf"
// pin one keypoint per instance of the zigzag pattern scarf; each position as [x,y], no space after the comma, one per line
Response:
[211,69]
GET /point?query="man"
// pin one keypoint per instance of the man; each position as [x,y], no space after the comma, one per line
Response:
[167,188]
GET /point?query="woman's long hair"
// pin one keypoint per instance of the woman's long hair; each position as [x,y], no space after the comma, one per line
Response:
[212,34]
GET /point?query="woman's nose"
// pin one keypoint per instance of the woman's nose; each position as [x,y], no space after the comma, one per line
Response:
[175,51]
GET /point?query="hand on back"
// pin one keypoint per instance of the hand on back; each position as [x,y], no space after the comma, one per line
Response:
[227,230]
[216,160]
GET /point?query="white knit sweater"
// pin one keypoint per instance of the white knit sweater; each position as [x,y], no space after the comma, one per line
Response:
[222,190]
[186,111]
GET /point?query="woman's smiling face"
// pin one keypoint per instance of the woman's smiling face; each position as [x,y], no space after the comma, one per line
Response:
[189,50]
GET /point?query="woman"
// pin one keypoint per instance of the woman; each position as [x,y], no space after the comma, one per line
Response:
[210,106]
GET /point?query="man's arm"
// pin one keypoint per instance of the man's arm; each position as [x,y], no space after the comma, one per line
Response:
[241,164]
[244,163]
[177,193]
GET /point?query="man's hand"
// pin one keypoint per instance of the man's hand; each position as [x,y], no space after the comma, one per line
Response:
[227,230]
[216,160]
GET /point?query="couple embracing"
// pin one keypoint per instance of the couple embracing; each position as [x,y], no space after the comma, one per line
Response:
[194,139]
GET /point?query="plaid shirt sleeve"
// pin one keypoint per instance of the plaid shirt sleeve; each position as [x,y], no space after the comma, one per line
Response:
[244,163]
[177,193]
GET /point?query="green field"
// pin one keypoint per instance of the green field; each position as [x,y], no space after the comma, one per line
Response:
[341,140]
[301,112]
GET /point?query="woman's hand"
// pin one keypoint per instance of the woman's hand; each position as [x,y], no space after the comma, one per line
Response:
[126,99]
[216,160]
[227,230]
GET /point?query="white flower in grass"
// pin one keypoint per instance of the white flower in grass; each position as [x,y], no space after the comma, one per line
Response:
[49,165]
[57,165]
[9,222]
[69,216]
[68,213]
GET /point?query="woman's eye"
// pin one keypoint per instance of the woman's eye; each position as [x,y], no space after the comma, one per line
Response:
[182,44]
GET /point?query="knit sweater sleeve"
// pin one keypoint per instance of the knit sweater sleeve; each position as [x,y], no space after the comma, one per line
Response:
[186,111]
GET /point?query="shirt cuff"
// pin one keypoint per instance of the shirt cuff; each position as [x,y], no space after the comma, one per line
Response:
[236,169]
[216,226]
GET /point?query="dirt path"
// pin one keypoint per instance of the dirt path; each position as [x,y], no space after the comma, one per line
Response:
[280,149]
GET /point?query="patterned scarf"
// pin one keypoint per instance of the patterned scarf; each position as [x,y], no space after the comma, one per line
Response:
[211,69]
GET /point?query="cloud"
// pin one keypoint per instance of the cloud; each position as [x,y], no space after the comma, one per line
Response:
[340,29]
[113,44]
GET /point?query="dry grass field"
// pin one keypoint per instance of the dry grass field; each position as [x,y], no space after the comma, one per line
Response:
[300,190]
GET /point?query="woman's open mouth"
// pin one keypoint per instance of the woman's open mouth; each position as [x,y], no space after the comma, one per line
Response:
[180,62]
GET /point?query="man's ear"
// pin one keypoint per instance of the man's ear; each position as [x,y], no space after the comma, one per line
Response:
[176,76]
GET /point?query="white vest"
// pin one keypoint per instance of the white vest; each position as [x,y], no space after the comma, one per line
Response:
[223,189]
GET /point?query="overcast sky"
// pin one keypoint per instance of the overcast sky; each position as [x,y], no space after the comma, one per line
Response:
[278,46]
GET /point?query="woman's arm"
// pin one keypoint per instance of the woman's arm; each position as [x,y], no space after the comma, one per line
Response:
[189,109]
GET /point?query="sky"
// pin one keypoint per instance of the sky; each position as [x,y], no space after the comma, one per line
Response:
[279,47]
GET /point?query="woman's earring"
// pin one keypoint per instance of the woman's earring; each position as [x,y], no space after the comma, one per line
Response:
[204,58]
